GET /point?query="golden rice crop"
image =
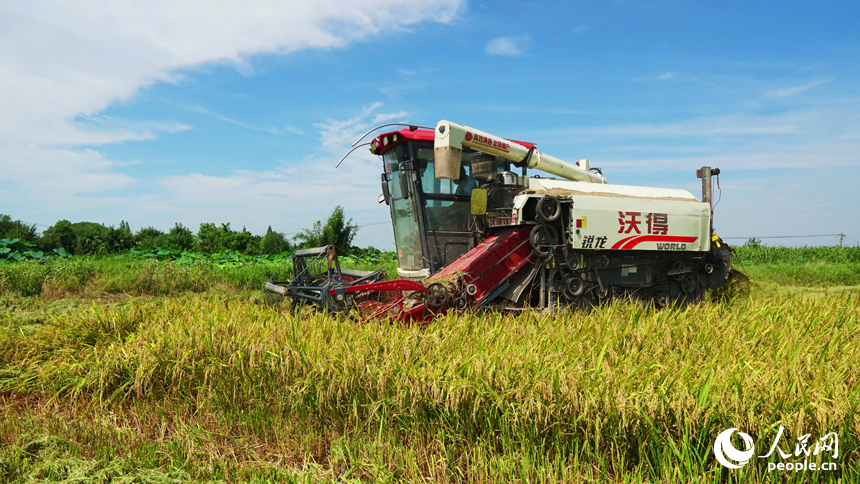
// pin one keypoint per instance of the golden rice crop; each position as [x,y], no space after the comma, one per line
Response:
[619,393]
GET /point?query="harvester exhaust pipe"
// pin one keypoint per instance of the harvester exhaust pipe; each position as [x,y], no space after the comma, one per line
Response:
[452,137]
[705,174]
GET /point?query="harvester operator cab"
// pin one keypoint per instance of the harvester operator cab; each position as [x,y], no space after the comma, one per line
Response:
[432,220]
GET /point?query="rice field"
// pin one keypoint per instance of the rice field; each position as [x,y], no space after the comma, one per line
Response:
[145,373]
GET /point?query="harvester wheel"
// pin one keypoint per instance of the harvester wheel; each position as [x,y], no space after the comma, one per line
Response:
[572,260]
[548,209]
[690,284]
[602,291]
[436,296]
[680,266]
[573,287]
[542,239]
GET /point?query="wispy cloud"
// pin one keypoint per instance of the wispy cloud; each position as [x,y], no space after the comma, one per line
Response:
[735,162]
[337,134]
[795,90]
[713,126]
[508,46]
[666,75]
[398,91]
[415,72]
[580,29]
[271,129]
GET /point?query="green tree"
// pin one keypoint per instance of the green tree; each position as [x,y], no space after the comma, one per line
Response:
[244,242]
[61,234]
[337,231]
[273,242]
[212,238]
[16,229]
[90,238]
[753,243]
[253,245]
[119,239]
[149,237]
[180,237]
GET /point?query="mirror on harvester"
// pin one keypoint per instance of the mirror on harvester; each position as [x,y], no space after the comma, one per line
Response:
[386,195]
[404,184]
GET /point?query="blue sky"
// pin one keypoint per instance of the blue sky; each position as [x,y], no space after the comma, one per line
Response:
[237,112]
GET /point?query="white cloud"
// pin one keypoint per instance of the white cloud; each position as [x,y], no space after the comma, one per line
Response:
[508,46]
[821,127]
[803,140]
[24,169]
[301,192]
[580,29]
[62,63]
[795,90]
[666,75]
[788,202]
[776,169]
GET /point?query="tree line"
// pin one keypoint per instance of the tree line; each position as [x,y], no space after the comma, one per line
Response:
[90,238]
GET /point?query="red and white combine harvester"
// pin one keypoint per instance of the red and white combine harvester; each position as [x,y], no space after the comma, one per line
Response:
[472,232]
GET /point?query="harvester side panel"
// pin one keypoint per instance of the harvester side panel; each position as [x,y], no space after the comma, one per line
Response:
[603,222]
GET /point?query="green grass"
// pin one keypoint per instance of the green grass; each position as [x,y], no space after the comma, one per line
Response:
[100,276]
[747,254]
[130,371]
[818,274]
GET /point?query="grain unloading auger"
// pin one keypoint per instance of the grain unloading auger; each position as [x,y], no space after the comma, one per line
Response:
[477,234]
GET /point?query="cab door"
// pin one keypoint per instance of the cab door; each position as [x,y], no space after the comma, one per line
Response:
[446,207]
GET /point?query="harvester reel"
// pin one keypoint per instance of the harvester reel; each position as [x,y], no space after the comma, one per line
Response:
[548,209]
[436,296]
[273,299]
[542,239]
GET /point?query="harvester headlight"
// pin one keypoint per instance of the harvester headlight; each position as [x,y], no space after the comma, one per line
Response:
[385,141]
